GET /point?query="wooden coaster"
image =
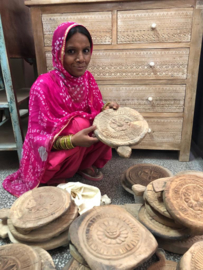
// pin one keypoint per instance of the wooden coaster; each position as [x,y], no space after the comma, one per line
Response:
[74,265]
[46,260]
[179,246]
[132,208]
[162,264]
[155,199]
[145,173]
[159,229]
[183,198]
[48,231]
[160,218]
[18,256]
[38,207]
[120,128]
[193,258]
[109,236]
[58,241]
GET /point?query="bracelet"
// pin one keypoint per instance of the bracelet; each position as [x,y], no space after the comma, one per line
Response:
[105,105]
[63,143]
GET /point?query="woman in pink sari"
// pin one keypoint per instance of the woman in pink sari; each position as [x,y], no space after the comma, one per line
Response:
[63,104]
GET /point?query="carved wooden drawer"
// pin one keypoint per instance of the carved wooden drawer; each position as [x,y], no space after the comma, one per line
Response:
[146,26]
[147,98]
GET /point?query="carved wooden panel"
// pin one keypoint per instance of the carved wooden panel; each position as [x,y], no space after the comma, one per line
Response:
[136,64]
[94,21]
[163,25]
[146,98]
[163,131]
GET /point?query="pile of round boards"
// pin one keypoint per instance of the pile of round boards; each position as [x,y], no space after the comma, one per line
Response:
[40,217]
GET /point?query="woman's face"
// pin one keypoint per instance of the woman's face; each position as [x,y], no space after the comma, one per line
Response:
[77,55]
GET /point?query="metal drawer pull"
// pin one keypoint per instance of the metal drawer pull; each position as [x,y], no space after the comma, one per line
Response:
[150,98]
[149,130]
[151,64]
[153,26]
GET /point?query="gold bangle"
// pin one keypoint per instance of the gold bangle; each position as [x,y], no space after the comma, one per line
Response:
[105,105]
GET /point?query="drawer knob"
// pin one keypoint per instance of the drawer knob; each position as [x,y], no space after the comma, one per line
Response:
[149,130]
[150,98]
[153,26]
[151,64]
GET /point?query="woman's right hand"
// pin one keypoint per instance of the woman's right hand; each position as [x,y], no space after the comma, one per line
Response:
[82,138]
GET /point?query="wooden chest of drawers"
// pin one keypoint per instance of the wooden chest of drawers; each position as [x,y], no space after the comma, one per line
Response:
[146,56]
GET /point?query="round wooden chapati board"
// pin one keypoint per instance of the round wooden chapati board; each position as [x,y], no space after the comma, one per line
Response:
[183,198]
[197,173]
[121,127]
[124,182]
[46,259]
[155,199]
[162,264]
[48,231]
[179,246]
[19,257]
[38,207]
[109,237]
[145,173]
[160,218]
[159,229]
[193,258]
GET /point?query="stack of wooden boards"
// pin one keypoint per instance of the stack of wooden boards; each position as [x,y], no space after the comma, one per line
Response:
[40,217]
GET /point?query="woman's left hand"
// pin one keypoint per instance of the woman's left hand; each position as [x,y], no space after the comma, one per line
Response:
[112,105]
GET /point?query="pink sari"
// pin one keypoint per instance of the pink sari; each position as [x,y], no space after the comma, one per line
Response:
[56,99]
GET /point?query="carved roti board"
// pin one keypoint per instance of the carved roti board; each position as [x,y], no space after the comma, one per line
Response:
[48,231]
[155,199]
[123,183]
[19,257]
[4,213]
[179,246]
[58,241]
[183,198]
[46,260]
[110,238]
[197,173]
[120,128]
[38,207]
[74,265]
[162,264]
[193,258]
[145,173]
[160,218]
[159,229]
[132,208]
[159,184]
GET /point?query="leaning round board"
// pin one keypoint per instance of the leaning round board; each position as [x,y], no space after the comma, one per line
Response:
[38,207]
[121,129]
[183,198]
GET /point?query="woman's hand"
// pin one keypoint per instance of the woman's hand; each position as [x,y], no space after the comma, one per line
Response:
[82,138]
[112,105]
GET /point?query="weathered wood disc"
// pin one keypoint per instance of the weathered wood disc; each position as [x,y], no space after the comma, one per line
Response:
[179,246]
[160,218]
[46,260]
[159,229]
[110,238]
[58,241]
[193,258]
[48,231]
[183,198]
[74,265]
[38,207]
[155,199]
[123,183]
[197,173]
[162,264]
[19,257]
[76,255]
[145,173]
[121,127]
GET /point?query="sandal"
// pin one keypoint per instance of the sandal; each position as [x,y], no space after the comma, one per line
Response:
[97,175]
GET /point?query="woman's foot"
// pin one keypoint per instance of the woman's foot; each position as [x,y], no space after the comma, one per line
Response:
[92,173]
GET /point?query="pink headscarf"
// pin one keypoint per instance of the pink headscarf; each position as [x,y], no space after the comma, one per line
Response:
[56,97]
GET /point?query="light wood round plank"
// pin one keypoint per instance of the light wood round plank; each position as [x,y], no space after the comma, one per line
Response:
[108,236]
[183,198]
[19,257]
[46,259]
[38,207]
[50,230]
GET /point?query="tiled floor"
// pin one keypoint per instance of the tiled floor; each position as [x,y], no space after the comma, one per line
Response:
[110,185]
